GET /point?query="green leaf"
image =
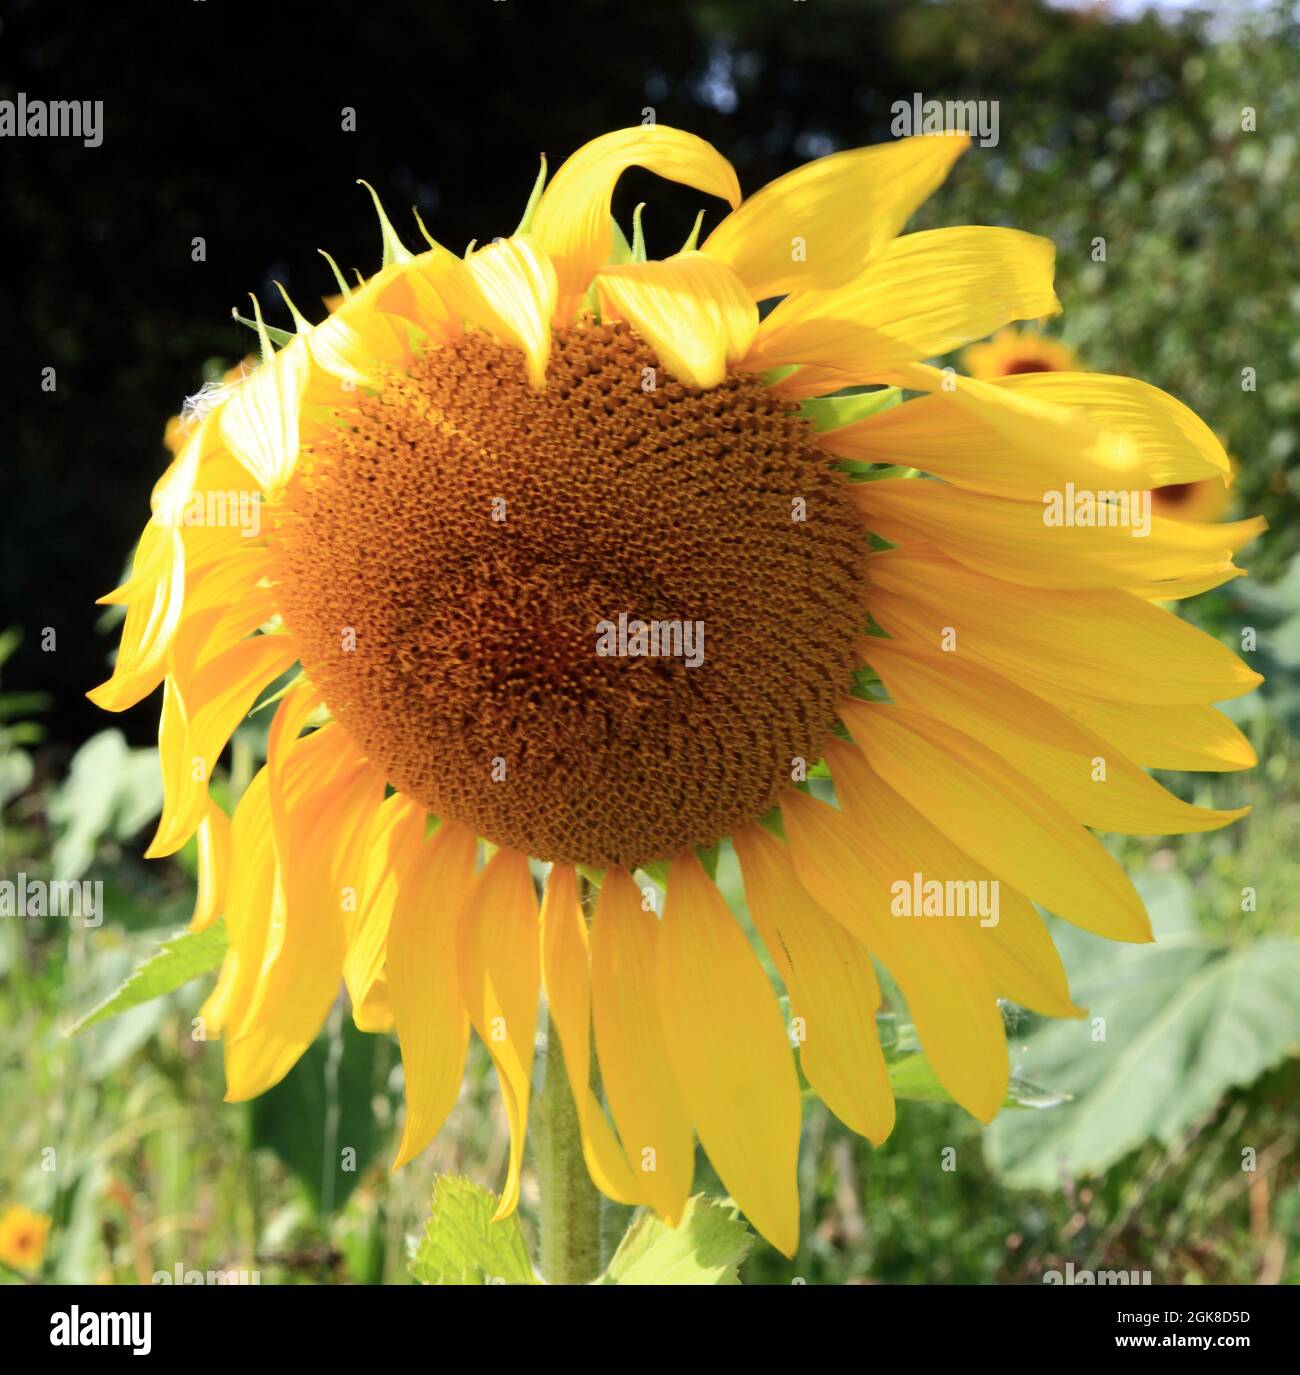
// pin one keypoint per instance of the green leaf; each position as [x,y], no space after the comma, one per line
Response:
[320,1119]
[1184,1021]
[187,955]
[706,1247]
[462,1245]
[913,1077]
[110,792]
[831,412]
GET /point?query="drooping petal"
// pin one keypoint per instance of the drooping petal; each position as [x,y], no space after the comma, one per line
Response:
[432,1025]
[999,818]
[566,976]
[214,868]
[393,843]
[1011,942]
[816,227]
[191,739]
[730,1054]
[693,312]
[848,872]
[832,987]
[154,596]
[329,796]
[572,220]
[643,1095]
[498,960]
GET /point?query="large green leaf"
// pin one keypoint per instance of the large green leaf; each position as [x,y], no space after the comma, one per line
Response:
[706,1247]
[1184,1021]
[319,1119]
[176,962]
[461,1243]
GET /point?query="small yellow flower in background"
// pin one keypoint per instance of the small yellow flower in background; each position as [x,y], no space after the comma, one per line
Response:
[482,474]
[1014,351]
[22,1237]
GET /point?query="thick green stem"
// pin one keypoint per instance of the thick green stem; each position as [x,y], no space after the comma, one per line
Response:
[570,1203]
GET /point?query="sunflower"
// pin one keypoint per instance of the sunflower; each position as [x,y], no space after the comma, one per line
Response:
[474,464]
[22,1237]
[1014,351]
[1205,500]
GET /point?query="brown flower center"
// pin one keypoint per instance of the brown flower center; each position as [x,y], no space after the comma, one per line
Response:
[597,623]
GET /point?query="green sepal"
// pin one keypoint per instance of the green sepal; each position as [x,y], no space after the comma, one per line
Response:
[526,223]
[832,412]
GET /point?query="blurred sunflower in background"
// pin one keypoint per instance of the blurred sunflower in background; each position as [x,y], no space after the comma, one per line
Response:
[473,463]
[22,1238]
[1013,351]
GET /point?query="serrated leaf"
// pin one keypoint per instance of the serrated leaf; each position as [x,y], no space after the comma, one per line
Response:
[831,412]
[462,1245]
[187,955]
[1184,1022]
[706,1247]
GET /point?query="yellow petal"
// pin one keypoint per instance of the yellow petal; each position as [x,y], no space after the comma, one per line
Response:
[224,603]
[432,1027]
[572,221]
[1101,642]
[1003,438]
[729,1051]
[815,227]
[832,988]
[393,843]
[693,312]
[999,818]
[517,280]
[639,1083]
[1192,738]
[1013,944]
[1093,782]
[192,737]
[214,868]
[848,872]
[260,420]
[1012,539]
[566,976]
[499,965]
[922,295]
[154,596]
[253,902]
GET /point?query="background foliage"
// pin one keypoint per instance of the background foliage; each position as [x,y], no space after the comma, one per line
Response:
[223,121]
